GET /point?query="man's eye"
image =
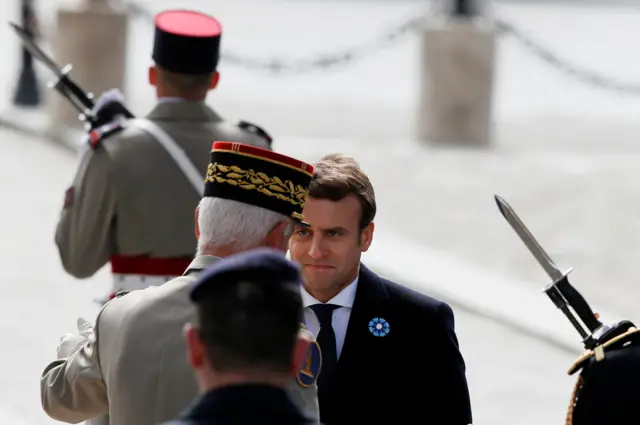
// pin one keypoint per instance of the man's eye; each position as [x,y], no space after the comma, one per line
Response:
[334,233]
[302,232]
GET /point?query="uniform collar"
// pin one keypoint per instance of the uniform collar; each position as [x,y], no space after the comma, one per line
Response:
[170,99]
[174,109]
[201,262]
[344,298]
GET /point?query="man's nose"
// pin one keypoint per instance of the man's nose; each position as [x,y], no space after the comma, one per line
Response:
[316,249]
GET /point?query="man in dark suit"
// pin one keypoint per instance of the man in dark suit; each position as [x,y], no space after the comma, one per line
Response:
[390,355]
[246,344]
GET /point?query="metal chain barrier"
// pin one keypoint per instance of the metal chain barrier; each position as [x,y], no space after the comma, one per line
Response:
[317,63]
[582,74]
[331,60]
[397,33]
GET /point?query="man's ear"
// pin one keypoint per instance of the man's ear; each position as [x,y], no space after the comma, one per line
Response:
[215,79]
[153,75]
[366,237]
[277,237]
[195,348]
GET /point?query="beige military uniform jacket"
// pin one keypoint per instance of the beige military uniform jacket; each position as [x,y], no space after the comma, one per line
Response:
[135,367]
[130,198]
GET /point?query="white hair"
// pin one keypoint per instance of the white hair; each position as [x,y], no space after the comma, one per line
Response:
[224,222]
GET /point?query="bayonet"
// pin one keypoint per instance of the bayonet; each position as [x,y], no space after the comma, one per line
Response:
[81,100]
[30,44]
[560,291]
[532,244]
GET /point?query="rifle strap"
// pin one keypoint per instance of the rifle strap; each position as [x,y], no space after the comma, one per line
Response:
[175,151]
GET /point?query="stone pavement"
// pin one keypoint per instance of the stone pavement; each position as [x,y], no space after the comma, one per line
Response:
[39,302]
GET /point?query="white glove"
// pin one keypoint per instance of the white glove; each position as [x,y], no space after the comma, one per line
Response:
[85,327]
[69,342]
[112,95]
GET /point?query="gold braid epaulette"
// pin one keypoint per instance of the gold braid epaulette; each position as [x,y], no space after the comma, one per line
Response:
[599,354]
[574,399]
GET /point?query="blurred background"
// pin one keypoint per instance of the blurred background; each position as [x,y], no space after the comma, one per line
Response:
[535,100]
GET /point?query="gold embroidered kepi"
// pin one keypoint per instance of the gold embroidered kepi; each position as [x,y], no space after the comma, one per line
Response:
[258,177]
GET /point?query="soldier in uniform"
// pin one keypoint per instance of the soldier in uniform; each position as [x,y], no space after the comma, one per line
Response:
[132,364]
[606,389]
[132,199]
[246,344]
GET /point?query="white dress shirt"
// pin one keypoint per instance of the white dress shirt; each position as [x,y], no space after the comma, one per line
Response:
[340,316]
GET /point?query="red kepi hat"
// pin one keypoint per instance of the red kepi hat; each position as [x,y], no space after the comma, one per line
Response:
[186,42]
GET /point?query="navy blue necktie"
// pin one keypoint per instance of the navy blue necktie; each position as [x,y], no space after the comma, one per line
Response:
[327,340]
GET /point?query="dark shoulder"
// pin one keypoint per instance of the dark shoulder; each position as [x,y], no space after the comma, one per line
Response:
[419,310]
[415,305]
[403,296]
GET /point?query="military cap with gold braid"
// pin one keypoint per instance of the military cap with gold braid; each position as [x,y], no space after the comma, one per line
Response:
[258,177]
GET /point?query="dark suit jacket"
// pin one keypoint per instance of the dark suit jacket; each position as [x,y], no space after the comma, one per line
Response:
[243,405]
[415,374]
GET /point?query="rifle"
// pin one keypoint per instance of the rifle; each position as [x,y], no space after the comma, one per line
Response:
[81,100]
[561,292]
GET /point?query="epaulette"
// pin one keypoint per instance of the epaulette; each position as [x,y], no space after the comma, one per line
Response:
[254,129]
[99,134]
[599,351]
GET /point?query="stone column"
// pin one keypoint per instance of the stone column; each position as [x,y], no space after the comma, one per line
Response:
[93,39]
[457,82]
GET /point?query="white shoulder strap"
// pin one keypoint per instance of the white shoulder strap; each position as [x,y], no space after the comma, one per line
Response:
[177,154]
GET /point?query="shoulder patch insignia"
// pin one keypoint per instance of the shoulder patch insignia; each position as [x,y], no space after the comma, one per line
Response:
[97,135]
[310,369]
[252,128]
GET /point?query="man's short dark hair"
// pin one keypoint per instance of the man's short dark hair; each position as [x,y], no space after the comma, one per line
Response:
[186,84]
[337,176]
[250,326]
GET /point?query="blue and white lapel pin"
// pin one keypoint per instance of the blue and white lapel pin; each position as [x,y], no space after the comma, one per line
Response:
[379,327]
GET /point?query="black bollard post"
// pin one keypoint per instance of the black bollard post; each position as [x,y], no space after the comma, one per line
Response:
[466,8]
[28,92]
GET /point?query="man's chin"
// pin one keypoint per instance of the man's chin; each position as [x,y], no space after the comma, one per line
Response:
[319,279]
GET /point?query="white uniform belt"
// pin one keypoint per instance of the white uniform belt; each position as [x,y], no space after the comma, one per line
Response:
[132,282]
